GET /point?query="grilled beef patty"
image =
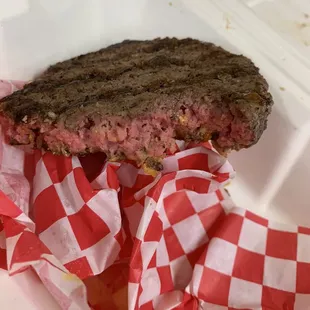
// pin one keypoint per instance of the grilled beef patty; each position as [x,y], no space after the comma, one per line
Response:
[134,99]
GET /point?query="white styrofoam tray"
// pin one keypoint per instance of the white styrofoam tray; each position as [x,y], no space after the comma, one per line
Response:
[271,176]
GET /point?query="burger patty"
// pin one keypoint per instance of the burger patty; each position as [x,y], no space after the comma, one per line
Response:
[134,99]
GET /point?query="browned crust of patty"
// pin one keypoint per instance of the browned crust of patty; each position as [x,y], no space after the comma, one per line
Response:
[132,77]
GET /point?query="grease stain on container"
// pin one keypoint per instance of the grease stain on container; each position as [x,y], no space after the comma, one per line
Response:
[227,21]
[70,277]
[302,25]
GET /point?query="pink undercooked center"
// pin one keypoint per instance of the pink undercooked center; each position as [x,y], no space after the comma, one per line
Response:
[148,136]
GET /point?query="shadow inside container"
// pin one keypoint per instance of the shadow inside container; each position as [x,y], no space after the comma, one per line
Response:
[255,166]
[293,199]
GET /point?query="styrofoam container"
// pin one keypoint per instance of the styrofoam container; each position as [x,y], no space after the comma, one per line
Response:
[272,176]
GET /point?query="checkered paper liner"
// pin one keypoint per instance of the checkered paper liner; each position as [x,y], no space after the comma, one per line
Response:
[173,242]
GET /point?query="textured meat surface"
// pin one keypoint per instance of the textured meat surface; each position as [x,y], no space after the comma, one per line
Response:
[135,98]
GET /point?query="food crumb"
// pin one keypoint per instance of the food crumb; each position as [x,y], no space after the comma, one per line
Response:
[150,171]
[282,88]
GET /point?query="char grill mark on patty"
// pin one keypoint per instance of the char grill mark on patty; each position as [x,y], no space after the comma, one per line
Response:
[125,71]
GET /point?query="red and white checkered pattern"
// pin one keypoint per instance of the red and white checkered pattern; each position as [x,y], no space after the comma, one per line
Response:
[189,247]
[74,221]
[240,261]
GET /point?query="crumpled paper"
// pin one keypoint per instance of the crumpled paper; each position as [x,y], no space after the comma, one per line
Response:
[105,235]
